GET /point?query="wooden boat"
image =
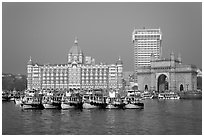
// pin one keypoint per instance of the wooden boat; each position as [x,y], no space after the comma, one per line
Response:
[5,96]
[18,101]
[31,102]
[74,100]
[114,100]
[147,95]
[93,100]
[51,102]
[133,102]
[168,95]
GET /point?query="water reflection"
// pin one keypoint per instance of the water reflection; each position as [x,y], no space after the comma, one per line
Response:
[158,117]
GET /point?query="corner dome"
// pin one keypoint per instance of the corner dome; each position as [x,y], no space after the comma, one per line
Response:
[119,61]
[75,50]
[30,62]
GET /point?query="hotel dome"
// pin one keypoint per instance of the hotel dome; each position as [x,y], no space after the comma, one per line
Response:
[75,50]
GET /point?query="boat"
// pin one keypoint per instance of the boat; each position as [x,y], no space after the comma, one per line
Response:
[114,100]
[51,101]
[31,100]
[18,101]
[113,103]
[190,95]
[168,95]
[11,97]
[73,100]
[5,96]
[147,95]
[133,102]
[93,99]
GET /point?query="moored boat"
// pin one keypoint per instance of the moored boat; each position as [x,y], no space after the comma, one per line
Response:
[73,100]
[93,100]
[18,101]
[31,102]
[114,100]
[51,101]
[147,95]
[133,102]
[168,95]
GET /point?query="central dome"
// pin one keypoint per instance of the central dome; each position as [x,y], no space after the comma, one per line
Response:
[75,50]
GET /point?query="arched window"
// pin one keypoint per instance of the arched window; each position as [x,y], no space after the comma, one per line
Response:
[146,87]
[181,87]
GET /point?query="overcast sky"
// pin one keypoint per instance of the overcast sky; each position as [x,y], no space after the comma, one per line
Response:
[46,31]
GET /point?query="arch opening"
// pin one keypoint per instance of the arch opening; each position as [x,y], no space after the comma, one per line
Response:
[163,83]
[181,87]
[146,87]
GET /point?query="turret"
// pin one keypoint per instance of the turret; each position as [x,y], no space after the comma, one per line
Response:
[30,62]
[172,56]
[75,53]
[179,58]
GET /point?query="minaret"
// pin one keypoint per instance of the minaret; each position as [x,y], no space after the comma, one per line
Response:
[179,58]
[172,56]
[76,41]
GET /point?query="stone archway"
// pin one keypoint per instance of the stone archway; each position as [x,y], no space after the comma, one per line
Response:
[162,83]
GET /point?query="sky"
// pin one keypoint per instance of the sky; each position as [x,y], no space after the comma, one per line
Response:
[46,31]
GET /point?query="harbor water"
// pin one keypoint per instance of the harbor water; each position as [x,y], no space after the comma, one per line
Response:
[159,117]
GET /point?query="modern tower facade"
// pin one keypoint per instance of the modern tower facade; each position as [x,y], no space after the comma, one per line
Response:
[79,72]
[147,43]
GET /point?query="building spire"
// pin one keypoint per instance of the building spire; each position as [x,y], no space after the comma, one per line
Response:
[30,59]
[76,40]
[119,58]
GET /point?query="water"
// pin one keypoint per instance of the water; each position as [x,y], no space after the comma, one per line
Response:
[173,117]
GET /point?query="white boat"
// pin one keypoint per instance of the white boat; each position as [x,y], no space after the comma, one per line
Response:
[30,102]
[51,100]
[147,95]
[93,101]
[168,95]
[134,106]
[18,101]
[66,105]
[133,102]
[72,101]
[50,105]
[113,103]
[88,105]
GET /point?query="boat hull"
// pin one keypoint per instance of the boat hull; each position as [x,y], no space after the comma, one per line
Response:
[89,106]
[112,106]
[66,105]
[18,101]
[51,106]
[134,106]
[31,106]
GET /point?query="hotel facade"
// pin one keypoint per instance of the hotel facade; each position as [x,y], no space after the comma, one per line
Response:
[80,72]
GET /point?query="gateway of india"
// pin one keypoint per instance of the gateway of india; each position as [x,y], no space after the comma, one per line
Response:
[154,73]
